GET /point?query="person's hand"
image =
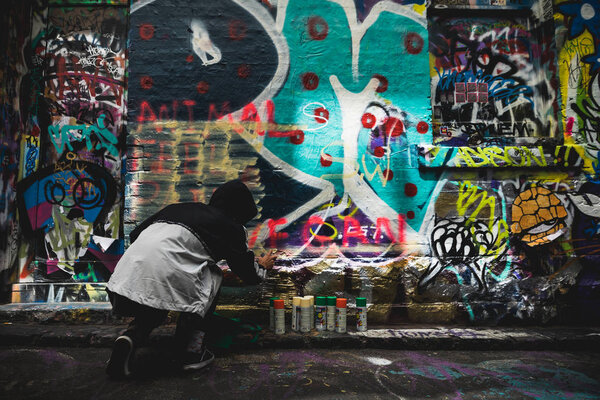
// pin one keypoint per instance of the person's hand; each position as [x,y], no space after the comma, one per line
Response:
[268,260]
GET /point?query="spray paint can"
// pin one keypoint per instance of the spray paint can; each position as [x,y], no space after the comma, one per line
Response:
[361,314]
[331,313]
[312,311]
[321,313]
[305,315]
[272,313]
[340,315]
[279,308]
[296,313]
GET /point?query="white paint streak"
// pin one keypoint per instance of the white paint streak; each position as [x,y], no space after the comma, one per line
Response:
[359,29]
[352,106]
[378,361]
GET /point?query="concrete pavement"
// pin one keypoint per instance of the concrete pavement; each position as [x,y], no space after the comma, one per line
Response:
[316,374]
[83,325]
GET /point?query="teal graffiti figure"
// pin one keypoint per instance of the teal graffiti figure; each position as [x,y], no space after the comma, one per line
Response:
[64,135]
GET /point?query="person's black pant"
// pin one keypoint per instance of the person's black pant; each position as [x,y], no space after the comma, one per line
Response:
[147,318]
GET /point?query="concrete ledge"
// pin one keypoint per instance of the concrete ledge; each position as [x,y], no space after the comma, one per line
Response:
[83,312]
[430,338]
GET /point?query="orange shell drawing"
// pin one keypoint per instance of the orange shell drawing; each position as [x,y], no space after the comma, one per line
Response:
[537,215]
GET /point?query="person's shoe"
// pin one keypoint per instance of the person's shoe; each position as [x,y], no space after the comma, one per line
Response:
[196,361]
[119,364]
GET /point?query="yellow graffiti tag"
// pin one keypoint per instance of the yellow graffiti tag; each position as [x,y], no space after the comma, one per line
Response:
[514,156]
[471,195]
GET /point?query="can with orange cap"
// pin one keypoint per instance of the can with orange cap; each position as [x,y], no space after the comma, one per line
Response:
[340,315]
[279,308]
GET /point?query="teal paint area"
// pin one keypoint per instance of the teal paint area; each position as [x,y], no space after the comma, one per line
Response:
[382,125]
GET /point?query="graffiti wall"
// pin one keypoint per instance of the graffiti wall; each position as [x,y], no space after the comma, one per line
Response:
[440,160]
[70,143]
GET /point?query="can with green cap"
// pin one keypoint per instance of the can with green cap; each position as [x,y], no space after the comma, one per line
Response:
[361,314]
[272,313]
[331,313]
[321,313]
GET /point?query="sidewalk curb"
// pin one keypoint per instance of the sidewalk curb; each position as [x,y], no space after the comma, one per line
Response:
[435,338]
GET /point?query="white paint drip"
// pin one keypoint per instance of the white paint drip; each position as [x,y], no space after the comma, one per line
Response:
[202,45]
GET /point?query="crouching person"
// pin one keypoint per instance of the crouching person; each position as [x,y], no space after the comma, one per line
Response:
[171,265]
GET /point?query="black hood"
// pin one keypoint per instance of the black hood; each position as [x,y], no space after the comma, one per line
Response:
[235,200]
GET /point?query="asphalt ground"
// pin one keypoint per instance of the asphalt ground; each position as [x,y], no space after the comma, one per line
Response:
[78,373]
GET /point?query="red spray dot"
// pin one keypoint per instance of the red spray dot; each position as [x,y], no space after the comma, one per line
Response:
[310,80]
[326,160]
[146,31]
[368,120]
[379,151]
[388,174]
[393,127]
[410,189]
[237,29]
[297,137]
[202,87]
[321,115]
[317,28]
[243,71]
[422,127]
[413,43]
[146,82]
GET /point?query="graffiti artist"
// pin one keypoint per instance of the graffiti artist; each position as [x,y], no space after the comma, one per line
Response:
[171,265]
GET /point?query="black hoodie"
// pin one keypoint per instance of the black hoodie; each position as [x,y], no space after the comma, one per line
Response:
[219,225]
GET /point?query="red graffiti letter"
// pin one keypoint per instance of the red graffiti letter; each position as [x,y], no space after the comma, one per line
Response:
[306,232]
[146,108]
[383,224]
[190,104]
[273,235]
[401,223]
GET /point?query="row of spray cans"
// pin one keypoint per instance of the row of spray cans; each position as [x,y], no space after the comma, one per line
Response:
[326,314]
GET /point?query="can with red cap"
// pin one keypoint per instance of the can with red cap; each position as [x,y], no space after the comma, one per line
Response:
[340,315]
[279,308]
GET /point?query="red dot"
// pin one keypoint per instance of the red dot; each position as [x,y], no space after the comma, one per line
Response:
[146,82]
[202,87]
[310,81]
[422,127]
[388,174]
[189,58]
[393,127]
[317,28]
[383,83]
[368,120]
[146,31]
[410,189]
[410,215]
[237,29]
[379,151]
[413,43]
[297,137]
[243,71]
[326,160]
[321,115]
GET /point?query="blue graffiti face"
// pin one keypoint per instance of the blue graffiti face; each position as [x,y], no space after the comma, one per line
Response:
[81,188]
